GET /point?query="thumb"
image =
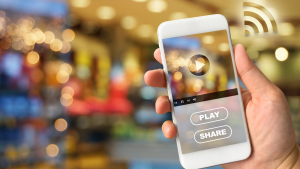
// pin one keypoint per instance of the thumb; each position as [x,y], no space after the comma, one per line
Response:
[251,76]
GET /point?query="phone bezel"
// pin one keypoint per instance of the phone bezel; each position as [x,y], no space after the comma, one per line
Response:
[192,26]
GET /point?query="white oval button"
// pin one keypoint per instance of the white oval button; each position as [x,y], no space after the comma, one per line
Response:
[208,116]
[213,134]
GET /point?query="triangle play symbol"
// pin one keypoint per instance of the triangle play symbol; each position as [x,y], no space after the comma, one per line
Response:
[199,65]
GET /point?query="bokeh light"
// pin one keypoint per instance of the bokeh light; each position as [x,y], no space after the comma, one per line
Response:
[40,36]
[286,29]
[66,99]
[223,47]
[33,57]
[56,45]
[156,6]
[145,31]
[62,76]
[66,67]
[30,39]
[67,90]
[80,3]
[49,37]
[178,15]
[196,87]
[177,76]
[106,12]
[17,45]
[281,54]
[128,22]
[66,47]
[147,92]
[52,150]
[68,35]
[208,39]
[60,124]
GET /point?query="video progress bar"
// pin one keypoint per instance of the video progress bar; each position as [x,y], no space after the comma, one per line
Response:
[205,97]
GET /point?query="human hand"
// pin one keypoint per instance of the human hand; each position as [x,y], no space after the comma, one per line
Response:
[268,116]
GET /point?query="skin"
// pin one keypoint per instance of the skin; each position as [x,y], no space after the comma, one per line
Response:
[268,116]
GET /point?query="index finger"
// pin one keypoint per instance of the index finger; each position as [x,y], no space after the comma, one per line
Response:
[157,55]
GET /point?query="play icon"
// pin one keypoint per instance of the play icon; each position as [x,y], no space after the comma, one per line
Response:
[198,65]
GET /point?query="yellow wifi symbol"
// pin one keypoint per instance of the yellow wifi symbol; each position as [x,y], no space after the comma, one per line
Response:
[258,20]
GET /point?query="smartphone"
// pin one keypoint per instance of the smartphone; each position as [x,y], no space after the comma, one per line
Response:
[204,92]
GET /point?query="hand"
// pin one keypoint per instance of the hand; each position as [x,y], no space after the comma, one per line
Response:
[268,116]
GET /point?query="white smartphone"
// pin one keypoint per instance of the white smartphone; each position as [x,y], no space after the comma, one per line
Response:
[204,91]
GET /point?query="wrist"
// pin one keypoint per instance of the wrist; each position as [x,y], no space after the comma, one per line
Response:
[292,161]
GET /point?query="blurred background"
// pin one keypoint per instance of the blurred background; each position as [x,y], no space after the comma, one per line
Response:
[72,93]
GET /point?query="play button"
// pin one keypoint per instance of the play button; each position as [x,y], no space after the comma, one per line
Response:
[198,65]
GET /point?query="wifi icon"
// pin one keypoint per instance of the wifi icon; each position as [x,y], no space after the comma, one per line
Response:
[258,20]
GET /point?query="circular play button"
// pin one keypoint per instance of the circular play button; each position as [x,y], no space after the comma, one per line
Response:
[198,65]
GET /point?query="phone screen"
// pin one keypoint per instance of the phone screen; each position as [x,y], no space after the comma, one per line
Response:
[206,103]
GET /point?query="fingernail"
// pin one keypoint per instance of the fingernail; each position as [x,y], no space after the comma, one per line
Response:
[165,99]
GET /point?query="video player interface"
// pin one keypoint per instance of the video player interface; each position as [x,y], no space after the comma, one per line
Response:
[205,97]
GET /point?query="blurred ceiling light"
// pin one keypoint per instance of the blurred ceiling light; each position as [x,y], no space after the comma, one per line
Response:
[106,12]
[223,47]
[208,39]
[56,45]
[145,31]
[178,15]
[286,29]
[128,22]
[139,0]
[281,54]
[60,124]
[66,67]
[33,57]
[66,47]
[80,3]
[68,35]
[67,90]
[177,76]
[156,6]
[49,37]
[52,150]
[252,52]
[62,76]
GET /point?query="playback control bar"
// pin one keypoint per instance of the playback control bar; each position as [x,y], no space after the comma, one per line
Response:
[205,97]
